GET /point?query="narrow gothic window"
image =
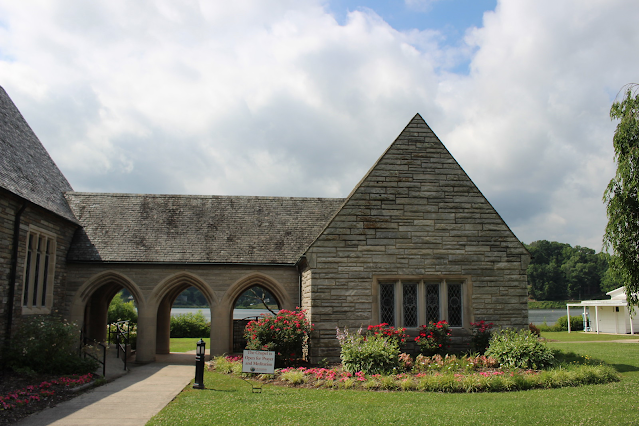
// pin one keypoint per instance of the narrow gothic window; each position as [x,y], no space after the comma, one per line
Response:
[37,293]
[455,304]
[410,304]
[432,302]
[387,303]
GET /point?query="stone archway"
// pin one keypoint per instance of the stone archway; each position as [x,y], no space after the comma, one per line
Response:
[262,303]
[284,301]
[164,296]
[91,303]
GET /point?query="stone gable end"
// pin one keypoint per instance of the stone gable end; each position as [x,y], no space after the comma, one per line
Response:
[416,215]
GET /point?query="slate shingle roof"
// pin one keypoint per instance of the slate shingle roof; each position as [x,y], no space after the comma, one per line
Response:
[26,169]
[199,229]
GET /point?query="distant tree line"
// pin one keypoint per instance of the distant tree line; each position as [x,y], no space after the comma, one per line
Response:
[559,271]
[191,298]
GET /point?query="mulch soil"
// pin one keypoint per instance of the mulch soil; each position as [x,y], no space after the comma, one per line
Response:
[11,382]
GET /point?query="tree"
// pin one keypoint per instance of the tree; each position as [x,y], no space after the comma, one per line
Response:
[622,194]
[559,271]
[119,310]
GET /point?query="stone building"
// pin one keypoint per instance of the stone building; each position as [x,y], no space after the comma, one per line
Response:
[415,241]
[36,223]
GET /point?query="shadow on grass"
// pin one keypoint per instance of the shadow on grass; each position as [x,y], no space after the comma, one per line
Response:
[571,357]
[217,390]
[624,368]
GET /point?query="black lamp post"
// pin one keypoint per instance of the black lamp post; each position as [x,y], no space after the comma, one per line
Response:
[199,365]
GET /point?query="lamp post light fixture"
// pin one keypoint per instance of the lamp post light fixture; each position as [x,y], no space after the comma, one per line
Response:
[200,352]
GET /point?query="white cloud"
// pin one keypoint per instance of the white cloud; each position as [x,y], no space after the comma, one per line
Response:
[248,98]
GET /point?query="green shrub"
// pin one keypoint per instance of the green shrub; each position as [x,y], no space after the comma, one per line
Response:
[519,349]
[285,334]
[372,354]
[190,325]
[119,310]
[576,323]
[48,344]
[434,338]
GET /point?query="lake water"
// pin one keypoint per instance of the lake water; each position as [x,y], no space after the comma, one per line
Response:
[536,316]
[237,313]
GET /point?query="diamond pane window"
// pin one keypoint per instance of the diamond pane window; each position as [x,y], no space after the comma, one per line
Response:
[432,302]
[409,303]
[421,301]
[387,303]
[455,304]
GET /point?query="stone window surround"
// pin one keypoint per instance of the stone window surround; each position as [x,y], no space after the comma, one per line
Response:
[467,292]
[38,308]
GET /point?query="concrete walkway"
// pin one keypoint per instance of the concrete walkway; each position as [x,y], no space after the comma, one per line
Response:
[131,399]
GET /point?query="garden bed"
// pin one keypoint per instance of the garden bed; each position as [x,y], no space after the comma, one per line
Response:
[22,395]
[437,374]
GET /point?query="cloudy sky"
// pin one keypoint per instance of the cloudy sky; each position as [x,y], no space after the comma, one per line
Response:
[300,97]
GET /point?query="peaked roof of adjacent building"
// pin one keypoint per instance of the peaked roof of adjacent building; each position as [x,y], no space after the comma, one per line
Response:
[196,229]
[417,150]
[26,169]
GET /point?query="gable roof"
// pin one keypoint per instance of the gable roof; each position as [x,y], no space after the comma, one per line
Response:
[26,169]
[197,229]
[420,163]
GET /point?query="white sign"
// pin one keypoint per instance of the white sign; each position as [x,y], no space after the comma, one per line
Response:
[262,362]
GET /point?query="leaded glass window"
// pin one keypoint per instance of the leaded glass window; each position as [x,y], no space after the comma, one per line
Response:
[39,269]
[27,270]
[432,302]
[421,302]
[45,276]
[455,304]
[409,302]
[387,303]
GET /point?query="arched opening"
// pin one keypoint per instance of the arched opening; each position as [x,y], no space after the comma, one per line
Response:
[253,302]
[96,311]
[187,289]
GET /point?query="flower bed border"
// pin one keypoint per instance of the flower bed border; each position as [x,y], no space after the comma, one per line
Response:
[486,380]
[34,393]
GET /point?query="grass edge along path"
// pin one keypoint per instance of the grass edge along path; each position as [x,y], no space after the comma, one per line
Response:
[228,401]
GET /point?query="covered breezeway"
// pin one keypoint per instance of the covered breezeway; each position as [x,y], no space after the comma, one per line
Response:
[92,297]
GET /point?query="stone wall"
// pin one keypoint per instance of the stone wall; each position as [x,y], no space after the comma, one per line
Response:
[415,215]
[32,216]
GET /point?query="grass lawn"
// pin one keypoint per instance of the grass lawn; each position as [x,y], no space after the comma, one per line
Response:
[580,336]
[185,344]
[229,401]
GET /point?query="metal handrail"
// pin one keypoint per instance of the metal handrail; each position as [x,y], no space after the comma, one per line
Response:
[122,332]
[85,341]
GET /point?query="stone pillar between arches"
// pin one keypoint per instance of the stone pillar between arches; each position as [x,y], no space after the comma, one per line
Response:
[147,329]
[163,327]
[220,330]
